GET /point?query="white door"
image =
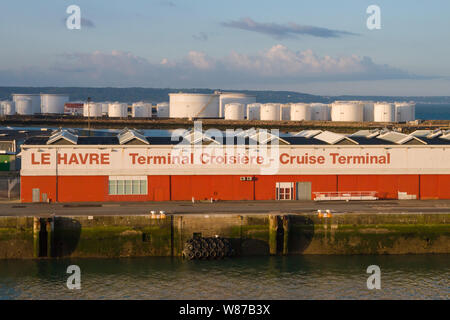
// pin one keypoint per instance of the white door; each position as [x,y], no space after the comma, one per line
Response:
[284,190]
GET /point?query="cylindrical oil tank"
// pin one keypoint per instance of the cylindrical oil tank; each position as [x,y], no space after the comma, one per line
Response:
[35,100]
[234,111]
[270,111]
[24,106]
[253,111]
[320,112]
[105,107]
[8,108]
[285,112]
[368,110]
[352,111]
[162,110]
[300,112]
[141,110]
[117,110]
[53,103]
[405,111]
[234,97]
[194,105]
[383,112]
[92,109]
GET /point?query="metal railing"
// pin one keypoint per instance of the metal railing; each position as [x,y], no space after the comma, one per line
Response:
[345,195]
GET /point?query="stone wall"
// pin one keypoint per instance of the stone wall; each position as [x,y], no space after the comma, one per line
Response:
[134,236]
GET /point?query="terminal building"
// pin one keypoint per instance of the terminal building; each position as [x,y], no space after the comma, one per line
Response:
[246,165]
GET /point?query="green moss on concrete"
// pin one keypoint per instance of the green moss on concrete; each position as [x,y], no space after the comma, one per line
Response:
[116,236]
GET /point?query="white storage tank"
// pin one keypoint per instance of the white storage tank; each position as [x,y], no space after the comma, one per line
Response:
[234,111]
[24,106]
[8,108]
[234,97]
[285,112]
[141,110]
[368,110]
[163,110]
[117,110]
[35,101]
[105,107]
[254,111]
[92,109]
[194,105]
[300,112]
[405,111]
[270,111]
[320,112]
[383,112]
[53,103]
[352,111]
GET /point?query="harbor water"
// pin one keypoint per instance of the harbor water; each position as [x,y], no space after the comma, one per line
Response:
[289,277]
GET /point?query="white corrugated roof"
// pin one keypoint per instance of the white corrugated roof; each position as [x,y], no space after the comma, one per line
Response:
[66,134]
[397,137]
[127,135]
[307,133]
[196,136]
[421,133]
[332,137]
[446,135]
[265,137]
[366,133]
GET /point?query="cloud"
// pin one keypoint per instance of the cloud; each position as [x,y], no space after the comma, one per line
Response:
[276,66]
[202,36]
[290,30]
[87,23]
[167,3]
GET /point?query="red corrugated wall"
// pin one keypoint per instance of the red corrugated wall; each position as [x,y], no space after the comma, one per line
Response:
[265,185]
[230,187]
[387,186]
[84,188]
[435,186]
[206,187]
[46,184]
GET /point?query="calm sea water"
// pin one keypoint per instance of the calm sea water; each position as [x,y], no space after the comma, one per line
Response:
[301,277]
[433,111]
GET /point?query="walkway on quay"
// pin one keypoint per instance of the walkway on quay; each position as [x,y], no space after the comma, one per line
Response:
[224,207]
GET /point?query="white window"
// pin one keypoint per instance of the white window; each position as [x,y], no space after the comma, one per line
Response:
[127,185]
[284,190]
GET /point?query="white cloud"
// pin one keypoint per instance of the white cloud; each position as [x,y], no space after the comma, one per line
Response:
[277,65]
[200,60]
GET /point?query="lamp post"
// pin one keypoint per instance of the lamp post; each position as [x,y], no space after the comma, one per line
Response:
[89,114]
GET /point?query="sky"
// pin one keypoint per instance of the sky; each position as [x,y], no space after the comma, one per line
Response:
[318,47]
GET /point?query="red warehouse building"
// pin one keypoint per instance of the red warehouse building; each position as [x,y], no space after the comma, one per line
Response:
[249,165]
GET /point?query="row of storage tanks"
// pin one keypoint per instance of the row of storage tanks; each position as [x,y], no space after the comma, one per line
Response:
[28,104]
[120,110]
[239,106]
[228,105]
[352,111]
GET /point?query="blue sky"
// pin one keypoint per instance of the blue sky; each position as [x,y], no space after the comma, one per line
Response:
[319,47]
